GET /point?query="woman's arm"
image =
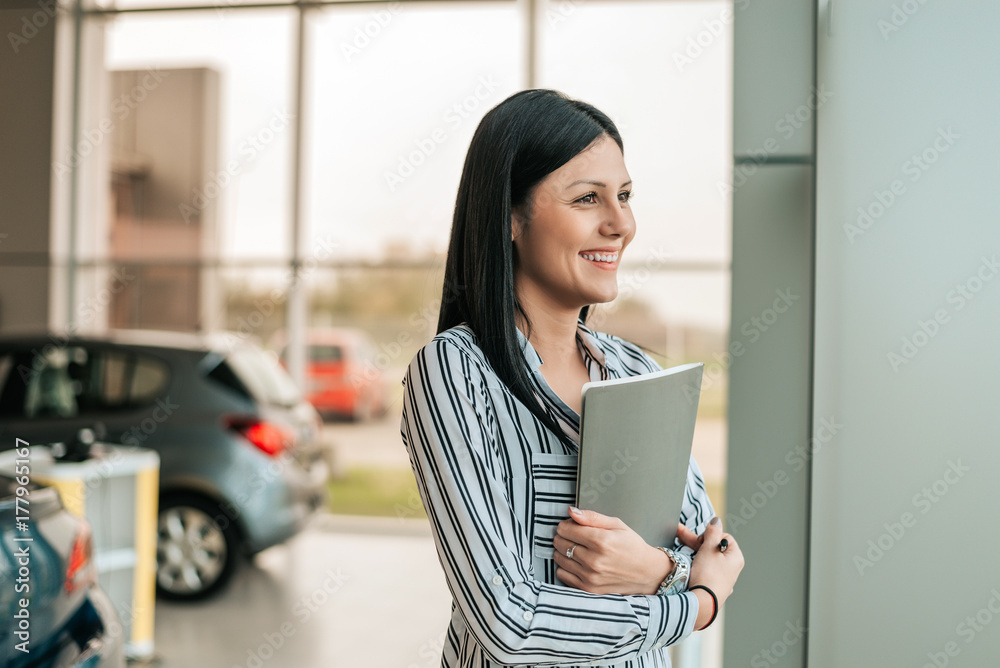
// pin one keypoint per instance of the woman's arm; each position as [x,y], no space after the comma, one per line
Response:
[609,557]
[449,431]
[620,563]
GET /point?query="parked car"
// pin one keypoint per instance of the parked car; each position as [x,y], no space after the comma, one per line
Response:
[241,466]
[51,601]
[342,375]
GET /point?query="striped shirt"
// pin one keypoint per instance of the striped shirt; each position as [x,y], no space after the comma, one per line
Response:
[495,482]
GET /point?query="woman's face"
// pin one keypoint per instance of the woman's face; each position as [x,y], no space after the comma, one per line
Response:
[580,221]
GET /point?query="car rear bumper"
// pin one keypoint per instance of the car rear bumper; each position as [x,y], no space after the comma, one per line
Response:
[335,401]
[286,507]
[92,638]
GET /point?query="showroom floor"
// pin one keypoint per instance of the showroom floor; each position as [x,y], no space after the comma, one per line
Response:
[343,593]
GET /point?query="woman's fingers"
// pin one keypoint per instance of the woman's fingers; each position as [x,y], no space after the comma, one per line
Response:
[580,534]
[592,518]
[713,532]
[714,568]
[571,579]
[688,537]
[574,566]
[562,545]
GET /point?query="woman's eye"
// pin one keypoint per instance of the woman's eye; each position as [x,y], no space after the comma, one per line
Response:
[625,195]
[588,198]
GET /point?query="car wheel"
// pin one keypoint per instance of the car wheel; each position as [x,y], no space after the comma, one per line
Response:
[196,553]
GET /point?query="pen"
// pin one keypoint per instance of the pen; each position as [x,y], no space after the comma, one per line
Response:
[723,544]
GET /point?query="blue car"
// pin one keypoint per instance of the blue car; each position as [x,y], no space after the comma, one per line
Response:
[242,464]
[55,615]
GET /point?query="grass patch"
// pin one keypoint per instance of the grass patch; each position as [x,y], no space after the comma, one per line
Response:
[371,490]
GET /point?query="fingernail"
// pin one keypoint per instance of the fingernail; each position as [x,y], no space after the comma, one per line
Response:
[715,520]
[575,510]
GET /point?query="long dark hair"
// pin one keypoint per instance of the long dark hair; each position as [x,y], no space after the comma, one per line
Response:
[517,144]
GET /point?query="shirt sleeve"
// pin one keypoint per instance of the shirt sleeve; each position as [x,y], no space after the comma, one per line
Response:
[696,509]
[449,431]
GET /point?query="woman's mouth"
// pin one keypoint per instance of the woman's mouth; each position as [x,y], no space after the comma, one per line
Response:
[606,260]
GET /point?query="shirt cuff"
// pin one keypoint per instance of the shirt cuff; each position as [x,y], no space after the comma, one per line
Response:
[671,619]
[686,558]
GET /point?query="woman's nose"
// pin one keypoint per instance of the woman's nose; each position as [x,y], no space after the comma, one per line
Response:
[619,221]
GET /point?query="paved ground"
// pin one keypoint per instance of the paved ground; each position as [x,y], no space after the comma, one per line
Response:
[344,593]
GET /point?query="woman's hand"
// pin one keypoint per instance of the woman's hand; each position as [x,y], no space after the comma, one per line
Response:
[688,537]
[609,557]
[713,568]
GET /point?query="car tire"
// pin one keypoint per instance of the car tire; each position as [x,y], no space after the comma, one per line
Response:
[197,548]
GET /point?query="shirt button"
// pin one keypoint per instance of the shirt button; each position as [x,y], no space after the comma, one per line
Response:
[497,580]
[528,615]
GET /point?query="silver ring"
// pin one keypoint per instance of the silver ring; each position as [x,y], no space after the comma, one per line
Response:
[569,551]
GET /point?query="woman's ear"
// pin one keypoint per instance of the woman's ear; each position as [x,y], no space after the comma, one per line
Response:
[516,225]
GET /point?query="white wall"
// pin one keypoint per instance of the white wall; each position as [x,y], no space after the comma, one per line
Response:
[904,538]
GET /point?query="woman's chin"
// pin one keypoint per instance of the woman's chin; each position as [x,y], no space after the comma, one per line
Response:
[603,297]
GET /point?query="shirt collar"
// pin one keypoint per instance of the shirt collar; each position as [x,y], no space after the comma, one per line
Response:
[533,359]
[584,338]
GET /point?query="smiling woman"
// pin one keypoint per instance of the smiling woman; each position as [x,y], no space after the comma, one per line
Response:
[491,411]
[579,221]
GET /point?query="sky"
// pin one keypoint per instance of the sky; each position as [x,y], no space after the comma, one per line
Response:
[394,93]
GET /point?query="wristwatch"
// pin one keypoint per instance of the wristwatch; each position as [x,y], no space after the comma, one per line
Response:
[678,578]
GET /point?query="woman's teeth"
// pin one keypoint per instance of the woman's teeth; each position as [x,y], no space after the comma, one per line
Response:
[600,257]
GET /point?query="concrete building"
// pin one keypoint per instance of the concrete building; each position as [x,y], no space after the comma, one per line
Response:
[162,222]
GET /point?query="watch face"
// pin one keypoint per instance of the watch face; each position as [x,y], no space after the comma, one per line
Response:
[679,576]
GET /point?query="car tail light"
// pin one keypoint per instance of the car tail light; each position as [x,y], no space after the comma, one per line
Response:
[78,572]
[270,438]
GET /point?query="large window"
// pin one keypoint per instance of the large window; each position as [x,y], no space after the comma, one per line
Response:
[271,170]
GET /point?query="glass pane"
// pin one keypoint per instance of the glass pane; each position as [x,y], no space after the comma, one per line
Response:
[111,371]
[251,304]
[674,115]
[384,315]
[134,296]
[261,373]
[199,114]
[51,390]
[395,95]
[325,353]
[148,380]
[222,8]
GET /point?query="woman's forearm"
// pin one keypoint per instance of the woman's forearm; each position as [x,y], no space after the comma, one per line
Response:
[705,608]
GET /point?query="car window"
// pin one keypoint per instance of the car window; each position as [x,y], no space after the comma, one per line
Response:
[50,389]
[112,375]
[149,379]
[67,381]
[264,377]
[6,366]
[220,372]
[321,353]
